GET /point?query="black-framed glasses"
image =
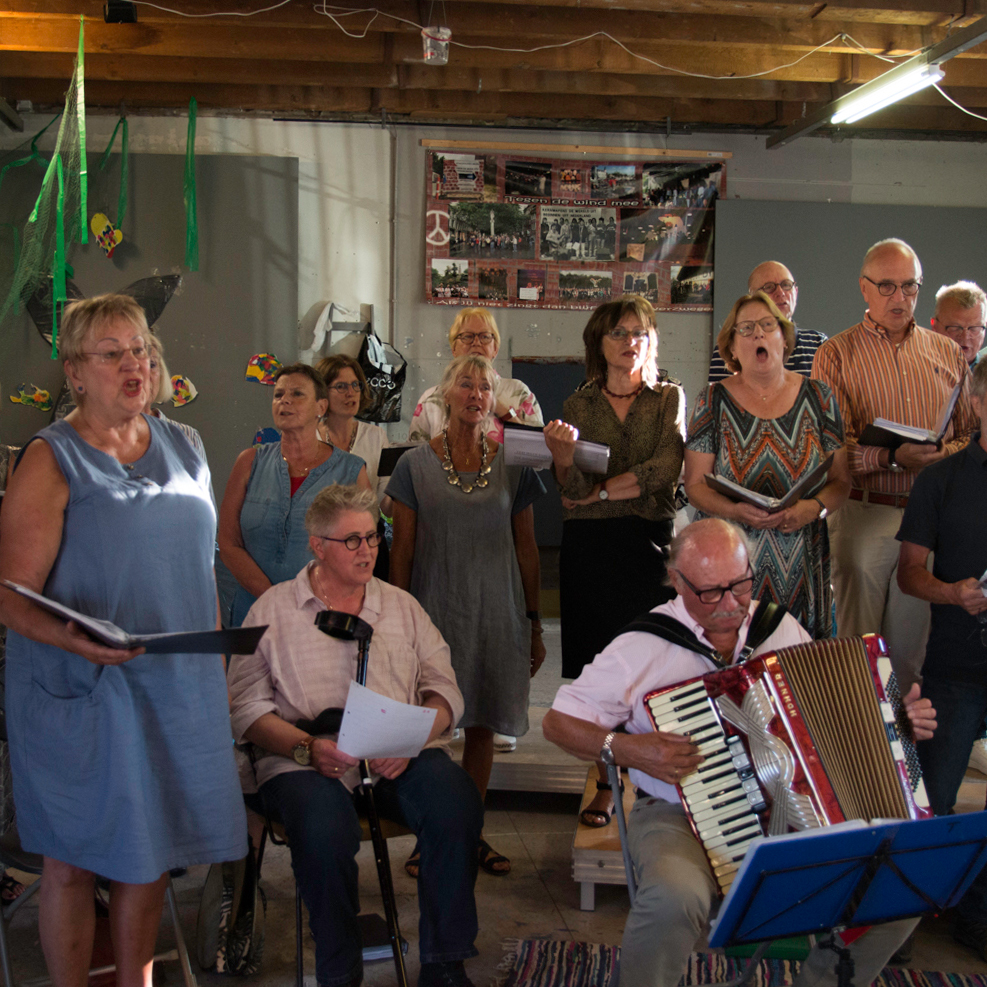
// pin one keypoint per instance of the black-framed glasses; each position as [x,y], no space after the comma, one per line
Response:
[341,387]
[470,337]
[353,542]
[770,287]
[621,334]
[767,324]
[888,288]
[140,352]
[960,330]
[713,594]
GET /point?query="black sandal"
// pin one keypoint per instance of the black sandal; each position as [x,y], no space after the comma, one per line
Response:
[592,817]
[488,858]
[412,865]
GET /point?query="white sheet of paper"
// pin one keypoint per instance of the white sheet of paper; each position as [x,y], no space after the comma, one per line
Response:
[375,726]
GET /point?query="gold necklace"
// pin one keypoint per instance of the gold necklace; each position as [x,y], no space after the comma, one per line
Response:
[454,479]
[305,470]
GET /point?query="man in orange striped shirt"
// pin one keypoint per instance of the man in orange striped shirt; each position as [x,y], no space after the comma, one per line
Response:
[887,367]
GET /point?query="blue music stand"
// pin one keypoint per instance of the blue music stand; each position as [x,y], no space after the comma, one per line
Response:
[851,875]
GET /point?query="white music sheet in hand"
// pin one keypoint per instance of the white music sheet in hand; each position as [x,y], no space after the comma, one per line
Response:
[375,726]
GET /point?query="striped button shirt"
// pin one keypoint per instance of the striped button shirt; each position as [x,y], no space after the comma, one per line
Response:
[807,341]
[908,383]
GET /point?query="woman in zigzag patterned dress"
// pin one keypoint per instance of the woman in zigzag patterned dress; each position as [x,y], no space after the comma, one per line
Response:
[765,427]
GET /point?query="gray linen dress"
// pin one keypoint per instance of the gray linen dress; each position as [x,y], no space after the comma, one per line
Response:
[467,578]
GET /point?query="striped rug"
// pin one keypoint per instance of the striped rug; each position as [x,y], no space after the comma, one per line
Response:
[560,963]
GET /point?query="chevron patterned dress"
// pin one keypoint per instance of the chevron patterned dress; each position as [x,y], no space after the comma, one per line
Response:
[769,455]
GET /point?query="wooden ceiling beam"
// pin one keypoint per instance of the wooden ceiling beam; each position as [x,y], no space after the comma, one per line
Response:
[919,12]
[504,25]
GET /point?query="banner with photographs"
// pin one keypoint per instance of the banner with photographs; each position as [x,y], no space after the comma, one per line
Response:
[504,230]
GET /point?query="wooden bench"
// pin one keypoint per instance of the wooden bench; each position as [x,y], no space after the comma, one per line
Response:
[596,855]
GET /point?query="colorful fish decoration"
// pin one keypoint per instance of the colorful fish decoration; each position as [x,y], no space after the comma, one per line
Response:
[264,435]
[107,235]
[262,367]
[182,390]
[33,397]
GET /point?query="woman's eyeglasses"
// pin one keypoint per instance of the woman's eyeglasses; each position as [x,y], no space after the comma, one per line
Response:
[342,387]
[765,325]
[621,334]
[352,542]
[470,337]
[110,357]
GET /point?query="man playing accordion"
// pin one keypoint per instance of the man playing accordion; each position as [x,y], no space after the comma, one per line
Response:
[710,571]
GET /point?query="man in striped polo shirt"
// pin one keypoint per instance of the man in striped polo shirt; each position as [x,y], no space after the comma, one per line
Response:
[776,281]
[887,367]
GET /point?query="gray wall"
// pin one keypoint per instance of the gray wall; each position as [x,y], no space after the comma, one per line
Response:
[242,300]
[823,243]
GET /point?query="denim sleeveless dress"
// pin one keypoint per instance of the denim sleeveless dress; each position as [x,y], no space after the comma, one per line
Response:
[127,770]
[272,522]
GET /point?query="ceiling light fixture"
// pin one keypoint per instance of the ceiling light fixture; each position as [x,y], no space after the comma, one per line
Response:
[895,84]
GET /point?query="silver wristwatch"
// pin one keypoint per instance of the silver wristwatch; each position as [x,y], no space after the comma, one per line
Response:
[894,466]
[603,493]
[606,754]
[823,509]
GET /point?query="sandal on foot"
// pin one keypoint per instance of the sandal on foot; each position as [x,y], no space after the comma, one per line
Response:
[491,861]
[10,889]
[413,864]
[598,818]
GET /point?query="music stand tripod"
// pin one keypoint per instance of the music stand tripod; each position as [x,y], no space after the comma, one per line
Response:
[853,874]
[346,627]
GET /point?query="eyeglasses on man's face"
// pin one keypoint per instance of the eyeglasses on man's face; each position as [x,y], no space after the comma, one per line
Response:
[713,594]
[961,330]
[767,324]
[352,542]
[770,287]
[115,357]
[479,337]
[888,288]
[620,334]
[341,387]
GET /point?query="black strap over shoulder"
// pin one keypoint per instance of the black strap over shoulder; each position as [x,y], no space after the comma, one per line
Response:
[764,623]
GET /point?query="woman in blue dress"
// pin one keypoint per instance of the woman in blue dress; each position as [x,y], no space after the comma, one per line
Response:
[122,762]
[262,536]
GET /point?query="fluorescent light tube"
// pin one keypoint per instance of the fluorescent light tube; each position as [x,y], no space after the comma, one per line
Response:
[879,96]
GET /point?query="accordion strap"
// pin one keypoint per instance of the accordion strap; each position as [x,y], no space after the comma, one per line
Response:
[765,621]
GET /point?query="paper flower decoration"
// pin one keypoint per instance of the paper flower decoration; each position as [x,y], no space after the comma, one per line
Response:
[107,235]
[33,397]
[262,367]
[182,390]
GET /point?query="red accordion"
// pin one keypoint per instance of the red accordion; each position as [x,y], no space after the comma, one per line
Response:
[807,736]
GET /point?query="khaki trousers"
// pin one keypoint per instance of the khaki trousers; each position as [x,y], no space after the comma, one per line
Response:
[865,570]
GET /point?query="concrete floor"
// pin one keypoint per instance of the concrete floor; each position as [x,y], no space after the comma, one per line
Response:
[537,899]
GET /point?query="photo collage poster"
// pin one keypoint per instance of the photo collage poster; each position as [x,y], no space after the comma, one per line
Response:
[503,230]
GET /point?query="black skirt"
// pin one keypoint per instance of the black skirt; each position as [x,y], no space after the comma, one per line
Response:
[609,573]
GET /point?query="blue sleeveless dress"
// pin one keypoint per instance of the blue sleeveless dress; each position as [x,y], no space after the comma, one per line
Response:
[272,522]
[127,770]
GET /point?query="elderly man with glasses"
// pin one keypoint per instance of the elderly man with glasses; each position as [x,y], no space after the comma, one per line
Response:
[961,314]
[778,283]
[887,367]
[710,570]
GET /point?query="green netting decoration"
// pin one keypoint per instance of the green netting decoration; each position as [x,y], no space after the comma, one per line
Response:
[124,167]
[191,219]
[61,205]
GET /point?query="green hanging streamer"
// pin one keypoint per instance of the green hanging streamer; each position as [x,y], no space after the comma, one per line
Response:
[35,155]
[80,109]
[124,168]
[191,220]
[58,290]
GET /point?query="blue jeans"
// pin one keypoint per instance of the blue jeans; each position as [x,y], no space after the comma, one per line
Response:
[960,710]
[433,797]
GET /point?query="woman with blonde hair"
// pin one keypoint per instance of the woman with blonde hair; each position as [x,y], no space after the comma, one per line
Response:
[474,332]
